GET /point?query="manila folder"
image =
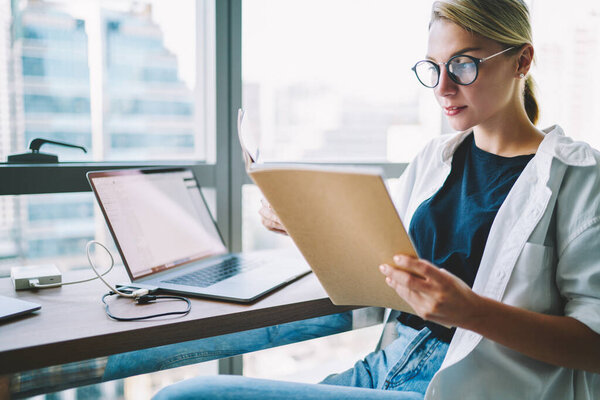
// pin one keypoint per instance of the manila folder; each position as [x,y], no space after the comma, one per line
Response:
[344,224]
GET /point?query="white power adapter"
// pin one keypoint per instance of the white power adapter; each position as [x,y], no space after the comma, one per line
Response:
[29,276]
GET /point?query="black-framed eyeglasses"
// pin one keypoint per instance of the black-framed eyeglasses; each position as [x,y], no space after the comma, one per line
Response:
[461,68]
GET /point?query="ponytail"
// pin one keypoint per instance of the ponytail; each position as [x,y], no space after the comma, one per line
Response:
[531,105]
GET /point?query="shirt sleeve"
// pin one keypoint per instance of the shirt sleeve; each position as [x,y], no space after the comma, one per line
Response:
[578,275]
[403,189]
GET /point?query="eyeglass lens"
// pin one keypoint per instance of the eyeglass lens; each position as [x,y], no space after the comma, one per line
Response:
[462,70]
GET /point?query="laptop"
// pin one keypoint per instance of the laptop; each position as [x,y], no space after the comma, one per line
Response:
[11,307]
[167,238]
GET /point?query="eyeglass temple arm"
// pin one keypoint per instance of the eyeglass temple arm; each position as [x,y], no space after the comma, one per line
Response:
[497,54]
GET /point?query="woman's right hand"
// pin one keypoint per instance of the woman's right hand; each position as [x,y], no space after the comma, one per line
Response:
[269,219]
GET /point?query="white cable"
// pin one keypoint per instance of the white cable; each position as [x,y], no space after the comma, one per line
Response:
[34,284]
[137,293]
[140,292]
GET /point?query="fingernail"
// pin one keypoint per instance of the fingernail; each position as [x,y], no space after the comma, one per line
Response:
[382,268]
[397,259]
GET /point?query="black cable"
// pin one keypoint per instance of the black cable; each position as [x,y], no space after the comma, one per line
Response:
[146,299]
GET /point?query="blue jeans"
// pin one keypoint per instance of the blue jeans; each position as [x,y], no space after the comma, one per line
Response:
[402,370]
[195,351]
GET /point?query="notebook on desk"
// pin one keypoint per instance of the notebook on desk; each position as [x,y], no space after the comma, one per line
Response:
[167,238]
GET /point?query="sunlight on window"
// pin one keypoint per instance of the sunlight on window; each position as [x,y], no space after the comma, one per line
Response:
[336,85]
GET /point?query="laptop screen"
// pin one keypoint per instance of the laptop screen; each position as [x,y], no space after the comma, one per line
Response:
[158,218]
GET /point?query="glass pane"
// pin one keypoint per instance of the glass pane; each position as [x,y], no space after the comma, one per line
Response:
[136,387]
[566,69]
[313,360]
[254,235]
[332,80]
[55,228]
[120,78]
[48,228]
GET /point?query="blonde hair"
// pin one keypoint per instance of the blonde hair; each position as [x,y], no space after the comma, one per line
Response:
[504,21]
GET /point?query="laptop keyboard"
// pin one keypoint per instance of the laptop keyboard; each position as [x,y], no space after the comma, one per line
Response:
[210,275]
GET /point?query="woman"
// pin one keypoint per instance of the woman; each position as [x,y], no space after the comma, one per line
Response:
[506,219]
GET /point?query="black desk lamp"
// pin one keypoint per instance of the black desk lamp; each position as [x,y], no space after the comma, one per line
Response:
[39,158]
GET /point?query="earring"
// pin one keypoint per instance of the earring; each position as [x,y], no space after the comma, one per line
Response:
[521,75]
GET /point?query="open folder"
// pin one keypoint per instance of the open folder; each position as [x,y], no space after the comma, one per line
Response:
[343,221]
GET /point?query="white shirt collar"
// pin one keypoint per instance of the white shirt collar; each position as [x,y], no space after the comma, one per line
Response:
[555,144]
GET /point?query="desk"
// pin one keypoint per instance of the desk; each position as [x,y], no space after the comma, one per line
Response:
[72,325]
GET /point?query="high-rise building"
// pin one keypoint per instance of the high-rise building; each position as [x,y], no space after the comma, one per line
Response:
[148,109]
[52,84]
[49,98]
[146,112]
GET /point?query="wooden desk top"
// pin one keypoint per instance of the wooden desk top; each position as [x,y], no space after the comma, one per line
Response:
[72,325]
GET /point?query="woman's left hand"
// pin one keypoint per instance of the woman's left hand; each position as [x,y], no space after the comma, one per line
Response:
[435,294]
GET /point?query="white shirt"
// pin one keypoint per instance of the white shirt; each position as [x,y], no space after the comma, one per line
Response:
[530,261]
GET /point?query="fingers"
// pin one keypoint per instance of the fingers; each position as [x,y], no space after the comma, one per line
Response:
[265,203]
[415,290]
[399,279]
[433,293]
[268,214]
[283,232]
[414,265]
[267,211]
[410,296]
[270,220]
[270,217]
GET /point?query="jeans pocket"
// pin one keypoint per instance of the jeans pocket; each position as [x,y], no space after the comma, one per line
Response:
[418,364]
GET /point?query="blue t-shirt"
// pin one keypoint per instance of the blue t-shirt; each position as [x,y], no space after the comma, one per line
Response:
[450,228]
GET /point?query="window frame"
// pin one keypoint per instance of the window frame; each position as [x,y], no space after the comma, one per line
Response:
[225,173]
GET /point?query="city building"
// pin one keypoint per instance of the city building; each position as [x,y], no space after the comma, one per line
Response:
[51,100]
[148,109]
[146,112]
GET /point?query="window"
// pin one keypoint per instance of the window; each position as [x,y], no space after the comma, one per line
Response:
[55,228]
[119,78]
[567,43]
[132,81]
[146,83]
[332,81]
